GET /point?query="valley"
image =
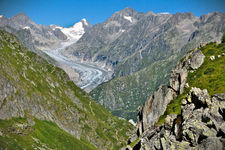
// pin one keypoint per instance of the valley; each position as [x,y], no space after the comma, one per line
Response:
[90,76]
[136,81]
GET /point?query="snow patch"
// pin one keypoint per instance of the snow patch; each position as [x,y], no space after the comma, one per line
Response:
[56,27]
[85,22]
[164,13]
[26,27]
[129,18]
[1,16]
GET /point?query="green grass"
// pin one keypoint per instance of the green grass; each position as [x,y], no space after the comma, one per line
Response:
[133,143]
[210,76]
[42,134]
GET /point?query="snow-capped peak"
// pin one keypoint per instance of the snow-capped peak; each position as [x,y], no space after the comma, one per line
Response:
[75,32]
[129,18]
[1,16]
[85,22]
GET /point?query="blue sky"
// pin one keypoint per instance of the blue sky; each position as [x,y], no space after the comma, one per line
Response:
[67,12]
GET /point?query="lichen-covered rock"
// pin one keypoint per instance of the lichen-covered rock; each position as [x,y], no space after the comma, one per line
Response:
[199,97]
[178,77]
[154,107]
[201,125]
[197,59]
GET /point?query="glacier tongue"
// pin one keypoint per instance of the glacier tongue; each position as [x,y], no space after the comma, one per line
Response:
[90,76]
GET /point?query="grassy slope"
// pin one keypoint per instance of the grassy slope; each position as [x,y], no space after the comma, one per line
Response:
[210,76]
[35,77]
[43,134]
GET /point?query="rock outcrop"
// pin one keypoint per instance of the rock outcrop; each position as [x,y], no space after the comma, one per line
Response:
[150,112]
[201,125]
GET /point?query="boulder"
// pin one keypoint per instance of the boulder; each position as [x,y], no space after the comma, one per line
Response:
[197,59]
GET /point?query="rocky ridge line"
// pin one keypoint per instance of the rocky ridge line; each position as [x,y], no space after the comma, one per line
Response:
[201,124]
[152,109]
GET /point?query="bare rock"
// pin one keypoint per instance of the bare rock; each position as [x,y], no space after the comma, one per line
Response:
[212,58]
[170,120]
[211,143]
[155,107]
[197,59]
[199,97]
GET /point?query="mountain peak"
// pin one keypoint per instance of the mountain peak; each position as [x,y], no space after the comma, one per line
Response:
[21,15]
[85,22]
[22,19]
[128,9]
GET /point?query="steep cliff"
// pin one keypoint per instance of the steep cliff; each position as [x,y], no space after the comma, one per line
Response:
[41,108]
[189,112]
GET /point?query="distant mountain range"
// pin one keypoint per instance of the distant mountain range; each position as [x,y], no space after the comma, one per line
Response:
[141,48]
[42,37]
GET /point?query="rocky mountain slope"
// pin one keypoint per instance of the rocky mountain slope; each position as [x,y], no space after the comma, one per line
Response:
[40,108]
[188,113]
[141,49]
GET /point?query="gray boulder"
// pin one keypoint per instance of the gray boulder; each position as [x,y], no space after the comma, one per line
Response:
[197,59]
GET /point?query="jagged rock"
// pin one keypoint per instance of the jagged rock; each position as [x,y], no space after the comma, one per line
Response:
[197,59]
[201,125]
[199,97]
[170,119]
[178,79]
[154,107]
[178,76]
